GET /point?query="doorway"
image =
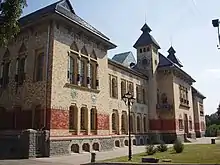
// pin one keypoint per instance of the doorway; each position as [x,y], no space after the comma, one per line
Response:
[186,125]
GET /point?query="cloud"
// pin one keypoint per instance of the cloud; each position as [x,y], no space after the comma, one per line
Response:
[212,73]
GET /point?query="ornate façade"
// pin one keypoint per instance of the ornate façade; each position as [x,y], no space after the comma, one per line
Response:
[56,75]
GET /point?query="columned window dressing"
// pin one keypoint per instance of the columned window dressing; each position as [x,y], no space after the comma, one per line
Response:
[82,67]
[5,69]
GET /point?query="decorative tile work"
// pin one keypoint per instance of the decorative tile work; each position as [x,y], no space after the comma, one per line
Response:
[103,122]
[59,119]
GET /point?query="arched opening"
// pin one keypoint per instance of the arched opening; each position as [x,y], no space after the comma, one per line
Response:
[84,120]
[93,120]
[126,142]
[114,88]
[141,141]
[123,88]
[74,47]
[145,123]
[86,147]
[75,148]
[117,143]
[84,51]
[124,123]
[95,146]
[134,142]
[138,124]
[115,121]
[73,116]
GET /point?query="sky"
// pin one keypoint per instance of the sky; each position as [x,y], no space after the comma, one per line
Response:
[184,24]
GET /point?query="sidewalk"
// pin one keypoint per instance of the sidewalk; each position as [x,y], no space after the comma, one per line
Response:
[77,159]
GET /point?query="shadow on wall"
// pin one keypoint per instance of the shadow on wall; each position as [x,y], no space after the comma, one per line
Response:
[24,144]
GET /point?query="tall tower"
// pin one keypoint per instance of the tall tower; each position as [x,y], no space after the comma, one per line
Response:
[147,63]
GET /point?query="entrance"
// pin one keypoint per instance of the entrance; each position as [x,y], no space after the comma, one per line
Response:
[186,125]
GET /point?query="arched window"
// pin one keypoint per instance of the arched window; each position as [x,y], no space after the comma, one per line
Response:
[123,88]
[124,123]
[138,124]
[114,122]
[73,116]
[93,118]
[158,96]
[145,124]
[84,119]
[132,123]
[114,88]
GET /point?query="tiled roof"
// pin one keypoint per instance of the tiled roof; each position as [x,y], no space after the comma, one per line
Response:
[146,38]
[165,62]
[64,8]
[195,91]
[121,57]
[173,57]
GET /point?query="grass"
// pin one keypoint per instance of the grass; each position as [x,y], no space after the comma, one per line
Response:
[204,153]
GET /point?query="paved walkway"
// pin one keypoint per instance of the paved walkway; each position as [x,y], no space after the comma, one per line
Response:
[77,159]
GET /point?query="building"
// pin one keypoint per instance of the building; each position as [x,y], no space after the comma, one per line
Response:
[56,75]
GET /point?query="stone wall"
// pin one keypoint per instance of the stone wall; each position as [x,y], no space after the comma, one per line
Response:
[69,145]
[24,144]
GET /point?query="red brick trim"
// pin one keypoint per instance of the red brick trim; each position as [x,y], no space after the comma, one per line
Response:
[162,124]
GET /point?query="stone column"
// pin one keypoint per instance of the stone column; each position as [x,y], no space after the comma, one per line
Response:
[78,121]
[89,122]
[119,123]
[88,75]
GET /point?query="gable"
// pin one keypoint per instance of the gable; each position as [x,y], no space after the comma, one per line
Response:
[65,5]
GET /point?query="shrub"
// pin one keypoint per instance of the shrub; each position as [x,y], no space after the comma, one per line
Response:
[162,147]
[178,146]
[150,149]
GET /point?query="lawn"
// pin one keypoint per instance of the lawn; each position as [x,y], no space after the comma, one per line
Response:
[204,153]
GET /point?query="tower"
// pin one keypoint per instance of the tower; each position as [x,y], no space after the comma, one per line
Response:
[147,63]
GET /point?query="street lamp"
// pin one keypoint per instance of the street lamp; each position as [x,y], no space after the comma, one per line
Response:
[129,100]
[215,23]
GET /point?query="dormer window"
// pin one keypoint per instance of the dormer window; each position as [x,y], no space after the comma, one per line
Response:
[140,50]
[144,49]
[148,49]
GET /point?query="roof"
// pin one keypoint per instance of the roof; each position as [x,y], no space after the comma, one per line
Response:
[130,70]
[121,57]
[173,57]
[165,62]
[197,93]
[146,38]
[63,8]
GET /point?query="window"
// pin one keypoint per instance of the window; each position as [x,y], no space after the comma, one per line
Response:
[39,67]
[113,86]
[158,96]
[190,125]
[123,88]
[83,69]
[93,118]
[201,110]
[73,117]
[180,124]
[124,122]
[144,98]
[148,49]
[73,68]
[138,94]
[132,123]
[5,69]
[140,50]
[183,95]
[131,87]
[145,124]
[138,124]
[20,70]
[93,74]
[114,122]
[144,50]
[83,119]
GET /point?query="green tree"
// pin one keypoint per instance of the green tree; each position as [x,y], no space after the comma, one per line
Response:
[11,11]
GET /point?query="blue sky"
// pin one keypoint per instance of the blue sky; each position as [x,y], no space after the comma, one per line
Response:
[186,24]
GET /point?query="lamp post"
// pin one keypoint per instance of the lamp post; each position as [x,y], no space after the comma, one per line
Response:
[129,100]
[215,23]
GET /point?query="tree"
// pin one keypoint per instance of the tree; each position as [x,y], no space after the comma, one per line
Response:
[11,11]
